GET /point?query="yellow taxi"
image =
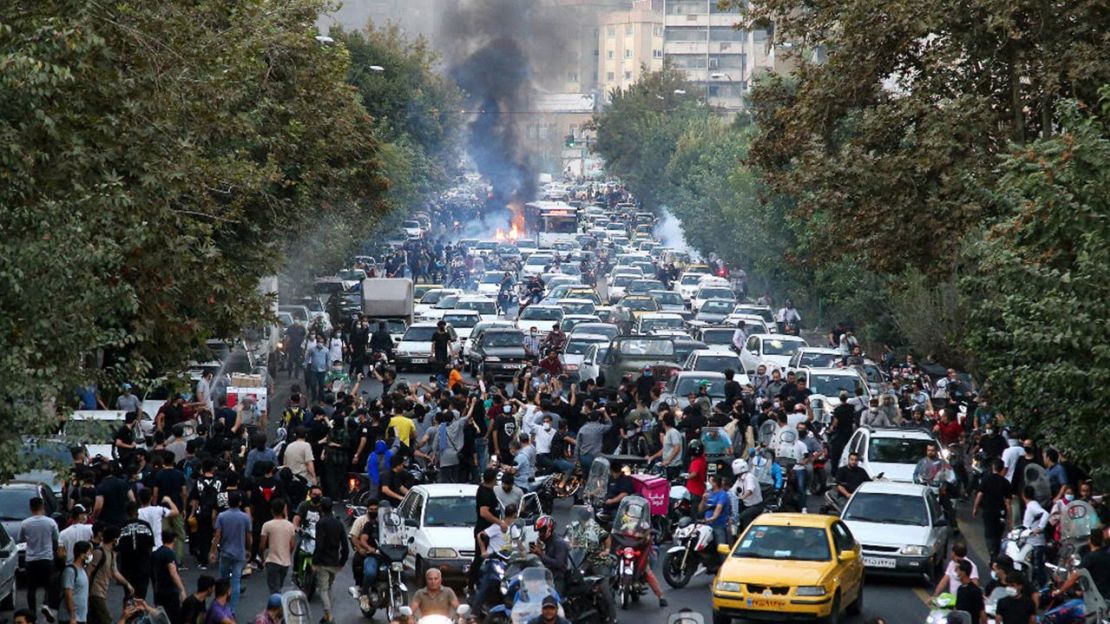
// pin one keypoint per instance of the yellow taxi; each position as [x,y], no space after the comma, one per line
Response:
[790,568]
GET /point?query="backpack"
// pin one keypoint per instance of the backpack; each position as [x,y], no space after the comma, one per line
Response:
[208,490]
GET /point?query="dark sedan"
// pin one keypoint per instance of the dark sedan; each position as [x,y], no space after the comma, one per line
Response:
[499,351]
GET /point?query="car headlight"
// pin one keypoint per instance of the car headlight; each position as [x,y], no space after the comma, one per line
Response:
[914,551]
[810,590]
[398,566]
[728,586]
[443,553]
[492,358]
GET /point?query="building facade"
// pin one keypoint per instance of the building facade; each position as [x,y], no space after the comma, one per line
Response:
[629,43]
[702,40]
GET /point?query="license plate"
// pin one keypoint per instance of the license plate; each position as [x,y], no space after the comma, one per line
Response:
[513,366]
[879,562]
[766,603]
[419,360]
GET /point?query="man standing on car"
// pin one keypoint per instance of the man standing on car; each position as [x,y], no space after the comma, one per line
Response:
[441,347]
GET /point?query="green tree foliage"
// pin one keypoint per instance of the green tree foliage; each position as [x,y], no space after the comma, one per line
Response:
[887,138]
[155,158]
[1040,328]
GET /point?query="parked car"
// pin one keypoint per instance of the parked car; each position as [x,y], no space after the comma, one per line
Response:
[9,569]
[902,529]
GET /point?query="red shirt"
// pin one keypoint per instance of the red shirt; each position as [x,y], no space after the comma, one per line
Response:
[949,432]
[552,367]
[695,483]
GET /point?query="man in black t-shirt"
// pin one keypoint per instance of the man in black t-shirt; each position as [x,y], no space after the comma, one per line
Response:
[194,608]
[994,499]
[969,597]
[112,496]
[850,476]
[485,502]
[135,544]
[1096,563]
[441,343]
[395,483]
[504,431]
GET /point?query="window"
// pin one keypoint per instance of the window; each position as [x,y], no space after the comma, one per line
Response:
[658,30]
[685,33]
[687,7]
[628,54]
[656,54]
[628,75]
[609,54]
[628,29]
[572,76]
[610,76]
[726,33]
[842,537]
[610,31]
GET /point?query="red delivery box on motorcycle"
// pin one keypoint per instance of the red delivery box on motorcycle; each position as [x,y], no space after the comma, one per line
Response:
[656,490]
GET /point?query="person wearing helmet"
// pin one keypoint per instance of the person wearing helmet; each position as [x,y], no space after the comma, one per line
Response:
[749,494]
[552,550]
[698,469]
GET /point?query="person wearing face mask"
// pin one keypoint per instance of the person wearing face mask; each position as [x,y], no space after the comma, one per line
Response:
[992,443]
[364,541]
[316,368]
[508,493]
[532,344]
[874,417]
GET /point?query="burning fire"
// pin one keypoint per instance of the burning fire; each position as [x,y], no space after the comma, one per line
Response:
[512,235]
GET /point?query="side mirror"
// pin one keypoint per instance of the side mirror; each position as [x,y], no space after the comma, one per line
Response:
[940,521]
[848,555]
[724,549]
[411,522]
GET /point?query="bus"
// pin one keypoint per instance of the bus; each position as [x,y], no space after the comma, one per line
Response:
[551,222]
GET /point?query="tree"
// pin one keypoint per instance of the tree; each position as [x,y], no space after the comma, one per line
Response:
[1041,290]
[889,128]
[156,157]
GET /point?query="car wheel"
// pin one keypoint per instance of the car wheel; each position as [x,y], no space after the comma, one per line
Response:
[834,615]
[720,618]
[856,607]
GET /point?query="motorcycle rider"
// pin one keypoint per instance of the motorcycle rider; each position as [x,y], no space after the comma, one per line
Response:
[492,540]
[717,509]
[749,494]
[642,535]
[555,339]
[308,512]
[934,471]
[381,342]
[1097,564]
[587,534]
[549,613]
[849,477]
[366,560]
[552,550]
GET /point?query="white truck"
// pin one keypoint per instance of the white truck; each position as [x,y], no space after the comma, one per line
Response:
[388,298]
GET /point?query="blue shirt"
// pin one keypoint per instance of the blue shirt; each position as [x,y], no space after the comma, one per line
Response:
[234,525]
[1057,477]
[317,358]
[720,497]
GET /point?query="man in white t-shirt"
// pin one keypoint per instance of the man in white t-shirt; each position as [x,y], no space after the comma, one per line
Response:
[77,531]
[155,514]
[543,435]
[950,582]
[1010,460]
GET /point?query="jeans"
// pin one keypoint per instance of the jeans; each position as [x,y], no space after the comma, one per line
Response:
[325,576]
[488,581]
[481,447]
[800,481]
[38,575]
[1039,577]
[369,573]
[232,568]
[720,533]
[275,577]
[171,603]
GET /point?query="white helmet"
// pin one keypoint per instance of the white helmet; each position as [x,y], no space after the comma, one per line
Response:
[739,466]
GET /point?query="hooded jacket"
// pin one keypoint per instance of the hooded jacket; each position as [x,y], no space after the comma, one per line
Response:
[381,454]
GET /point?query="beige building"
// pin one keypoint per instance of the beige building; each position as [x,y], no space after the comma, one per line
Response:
[556,117]
[700,39]
[629,44]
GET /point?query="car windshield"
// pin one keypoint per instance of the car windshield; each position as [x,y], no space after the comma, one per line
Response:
[818,360]
[481,307]
[897,450]
[461,321]
[644,286]
[536,313]
[578,346]
[667,297]
[639,347]
[432,297]
[538,260]
[832,385]
[690,279]
[872,372]
[578,307]
[639,303]
[623,280]
[46,455]
[887,509]
[660,323]
[352,274]
[784,543]
[717,336]
[492,278]
[603,329]
[716,293]
[503,339]
[419,334]
[716,363]
[95,431]
[717,306]
[445,511]
[776,346]
[764,313]
[690,383]
[447,302]
[15,503]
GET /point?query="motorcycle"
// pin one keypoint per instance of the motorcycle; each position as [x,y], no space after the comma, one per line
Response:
[1077,521]
[503,569]
[304,576]
[388,592]
[1016,546]
[526,596]
[585,597]
[632,537]
[695,552]
[462,616]
[943,611]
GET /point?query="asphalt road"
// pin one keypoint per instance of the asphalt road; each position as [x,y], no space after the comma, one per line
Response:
[897,600]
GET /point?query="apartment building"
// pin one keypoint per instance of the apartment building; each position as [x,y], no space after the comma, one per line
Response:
[629,43]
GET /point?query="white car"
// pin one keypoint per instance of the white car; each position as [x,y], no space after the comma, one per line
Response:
[710,360]
[660,324]
[717,338]
[705,293]
[536,263]
[901,528]
[592,359]
[415,348]
[463,322]
[96,430]
[708,279]
[490,283]
[830,382]
[762,311]
[687,285]
[483,305]
[439,524]
[577,306]
[815,357]
[618,285]
[571,320]
[753,324]
[670,301]
[445,304]
[576,348]
[412,228]
[892,452]
[431,298]
[771,350]
[9,563]
[542,317]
